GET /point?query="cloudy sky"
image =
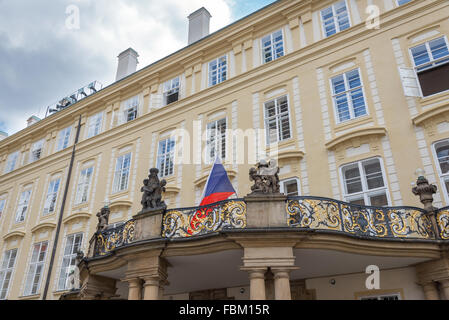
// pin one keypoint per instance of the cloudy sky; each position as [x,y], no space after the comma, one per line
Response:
[44,56]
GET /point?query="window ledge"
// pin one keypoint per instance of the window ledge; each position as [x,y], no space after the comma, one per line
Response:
[13,234]
[45,225]
[349,124]
[373,131]
[30,297]
[120,203]
[436,109]
[76,215]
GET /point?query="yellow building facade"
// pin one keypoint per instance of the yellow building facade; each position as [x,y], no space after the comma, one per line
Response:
[354,104]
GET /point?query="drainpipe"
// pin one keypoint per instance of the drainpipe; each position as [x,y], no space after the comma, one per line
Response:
[61,213]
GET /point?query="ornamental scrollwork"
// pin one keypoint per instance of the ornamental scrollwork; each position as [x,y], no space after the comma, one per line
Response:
[185,223]
[110,239]
[443,223]
[365,221]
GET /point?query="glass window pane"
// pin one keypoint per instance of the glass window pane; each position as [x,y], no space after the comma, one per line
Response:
[379,200]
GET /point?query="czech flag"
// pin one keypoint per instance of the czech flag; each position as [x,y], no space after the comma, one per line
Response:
[218,188]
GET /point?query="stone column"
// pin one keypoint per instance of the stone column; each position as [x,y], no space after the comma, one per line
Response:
[282,284]
[135,289]
[430,291]
[151,288]
[257,283]
[445,288]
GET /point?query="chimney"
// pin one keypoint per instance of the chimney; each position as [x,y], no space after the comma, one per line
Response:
[3,135]
[199,22]
[32,120]
[127,63]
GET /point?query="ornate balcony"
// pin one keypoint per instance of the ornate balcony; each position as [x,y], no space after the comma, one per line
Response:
[304,214]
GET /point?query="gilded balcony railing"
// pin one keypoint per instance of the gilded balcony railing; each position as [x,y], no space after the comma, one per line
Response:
[442,218]
[110,239]
[189,222]
[379,222]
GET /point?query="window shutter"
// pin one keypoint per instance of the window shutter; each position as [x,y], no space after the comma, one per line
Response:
[409,82]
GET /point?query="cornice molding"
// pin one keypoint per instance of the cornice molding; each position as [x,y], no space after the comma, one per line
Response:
[356,133]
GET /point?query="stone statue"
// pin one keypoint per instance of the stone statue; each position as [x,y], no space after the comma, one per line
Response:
[103,219]
[265,177]
[152,191]
[79,257]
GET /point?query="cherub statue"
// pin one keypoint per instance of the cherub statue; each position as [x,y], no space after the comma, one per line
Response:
[103,218]
[259,185]
[152,191]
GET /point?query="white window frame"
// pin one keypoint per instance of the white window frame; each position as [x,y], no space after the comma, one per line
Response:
[285,181]
[36,151]
[278,118]
[365,193]
[337,25]
[95,125]
[121,174]
[11,163]
[84,185]
[432,62]
[272,47]
[441,176]
[169,88]
[64,139]
[348,96]
[37,262]
[220,140]
[51,197]
[2,206]
[220,71]
[165,157]
[23,205]
[5,269]
[70,257]
[131,106]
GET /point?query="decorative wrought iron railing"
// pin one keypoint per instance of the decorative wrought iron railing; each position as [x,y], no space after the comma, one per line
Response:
[189,222]
[110,239]
[305,213]
[379,222]
[442,218]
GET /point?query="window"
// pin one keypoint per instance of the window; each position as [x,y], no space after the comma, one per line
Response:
[52,195]
[335,18]
[64,139]
[431,61]
[273,46]
[94,126]
[122,173]
[348,96]
[290,187]
[277,120]
[442,156]
[2,206]
[216,140]
[7,267]
[401,2]
[364,183]
[36,151]
[36,269]
[72,246]
[384,297]
[11,162]
[171,91]
[165,157]
[130,110]
[217,71]
[83,188]
[23,206]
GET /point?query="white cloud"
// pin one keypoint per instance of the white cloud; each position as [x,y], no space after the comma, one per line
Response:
[154,28]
